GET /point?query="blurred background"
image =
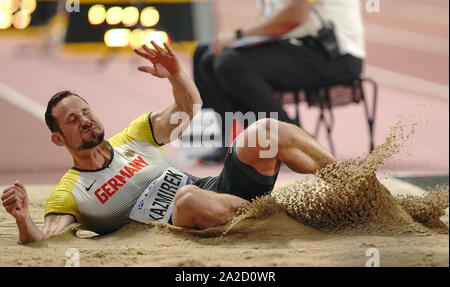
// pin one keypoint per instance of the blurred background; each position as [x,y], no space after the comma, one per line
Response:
[86,46]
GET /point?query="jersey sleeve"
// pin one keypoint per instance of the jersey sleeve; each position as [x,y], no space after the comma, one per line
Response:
[139,129]
[61,200]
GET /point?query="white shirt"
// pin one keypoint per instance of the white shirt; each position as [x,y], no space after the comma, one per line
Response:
[101,200]
[345,14]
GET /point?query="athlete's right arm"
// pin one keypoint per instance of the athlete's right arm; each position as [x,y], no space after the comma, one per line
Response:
[170,122]
[15,201]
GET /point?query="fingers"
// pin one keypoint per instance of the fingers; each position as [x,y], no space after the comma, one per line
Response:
[150,51]
[13,206]
[19,184]
[7,192]
[144,55]
[164,62]
[15,192]
[169,50]
[147,69]
[21,188]
[11,199]
[157,47]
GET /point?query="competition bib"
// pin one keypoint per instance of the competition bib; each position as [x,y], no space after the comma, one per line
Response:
[157,201]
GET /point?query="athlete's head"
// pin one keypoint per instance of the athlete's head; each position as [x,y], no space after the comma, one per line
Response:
[72,122]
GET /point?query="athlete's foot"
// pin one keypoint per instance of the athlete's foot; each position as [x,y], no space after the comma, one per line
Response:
[215,157]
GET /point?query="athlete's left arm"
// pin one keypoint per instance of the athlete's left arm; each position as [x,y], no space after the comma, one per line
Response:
[169,123]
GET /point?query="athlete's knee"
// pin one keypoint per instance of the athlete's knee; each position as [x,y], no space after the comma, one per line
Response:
[279,135]
[196,201]
[267,133]
[187,198]
[201,208]
[267,124]
[184,209]
[290,135]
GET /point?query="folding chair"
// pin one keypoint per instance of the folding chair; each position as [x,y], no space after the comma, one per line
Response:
[328,97]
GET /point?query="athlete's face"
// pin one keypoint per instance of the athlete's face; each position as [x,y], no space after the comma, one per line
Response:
[81,130]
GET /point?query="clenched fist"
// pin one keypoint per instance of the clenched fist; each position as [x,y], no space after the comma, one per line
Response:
[15,201]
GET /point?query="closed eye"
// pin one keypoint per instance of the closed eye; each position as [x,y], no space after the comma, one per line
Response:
[86,111]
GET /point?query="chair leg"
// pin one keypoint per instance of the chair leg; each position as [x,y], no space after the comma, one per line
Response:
[321,115]
[319,122]
[370,115]
[297,108]
[328,123]
[329,126]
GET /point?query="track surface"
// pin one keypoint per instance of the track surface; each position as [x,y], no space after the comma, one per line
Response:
[407,44]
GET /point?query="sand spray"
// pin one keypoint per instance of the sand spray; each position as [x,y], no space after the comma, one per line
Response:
[347,196]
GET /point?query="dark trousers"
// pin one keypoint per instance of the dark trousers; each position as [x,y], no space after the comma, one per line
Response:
[247,79]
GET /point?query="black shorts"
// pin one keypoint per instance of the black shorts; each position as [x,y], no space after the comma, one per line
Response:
[238,178]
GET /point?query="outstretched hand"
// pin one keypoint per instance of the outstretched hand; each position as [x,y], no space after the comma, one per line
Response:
[165,62]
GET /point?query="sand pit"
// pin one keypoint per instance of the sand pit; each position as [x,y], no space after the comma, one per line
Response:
[331,219]
[273,239]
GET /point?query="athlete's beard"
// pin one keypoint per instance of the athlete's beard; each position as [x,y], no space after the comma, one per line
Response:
[88,144]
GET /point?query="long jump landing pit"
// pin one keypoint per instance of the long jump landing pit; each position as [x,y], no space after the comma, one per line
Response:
[332,219]
[270,237]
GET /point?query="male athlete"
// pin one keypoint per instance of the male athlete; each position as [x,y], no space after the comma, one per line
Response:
[130,177]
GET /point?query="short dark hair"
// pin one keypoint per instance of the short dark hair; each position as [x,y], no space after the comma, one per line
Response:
[50,120]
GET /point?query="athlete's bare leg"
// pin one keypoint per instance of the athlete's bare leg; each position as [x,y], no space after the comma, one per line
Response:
[296,148]
[196,207]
